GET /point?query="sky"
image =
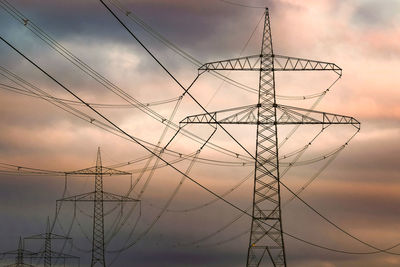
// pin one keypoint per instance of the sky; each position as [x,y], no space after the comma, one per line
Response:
[174,224]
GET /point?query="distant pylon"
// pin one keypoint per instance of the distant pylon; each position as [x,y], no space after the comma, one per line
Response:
[266,238]
[98,197]
[48,253]
[20,254]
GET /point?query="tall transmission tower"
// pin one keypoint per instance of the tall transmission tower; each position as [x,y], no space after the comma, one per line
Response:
[266,236]
[20,254]
[48,253]
[98,197]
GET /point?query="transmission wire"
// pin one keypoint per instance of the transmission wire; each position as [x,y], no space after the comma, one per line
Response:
[72,102]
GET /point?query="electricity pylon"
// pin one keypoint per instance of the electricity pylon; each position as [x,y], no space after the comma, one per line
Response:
[20,254]
[266,227]
[98,197]
[48,253]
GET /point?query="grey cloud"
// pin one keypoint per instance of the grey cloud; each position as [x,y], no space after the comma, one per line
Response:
[376,13]
[193,26]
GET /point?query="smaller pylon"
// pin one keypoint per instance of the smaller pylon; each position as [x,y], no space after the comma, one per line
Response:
[20,254]
[98,197]
[47,253]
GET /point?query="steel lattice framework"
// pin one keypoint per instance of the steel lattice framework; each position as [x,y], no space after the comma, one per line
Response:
[48,253]
[98,197]
[267,115]
[20,254]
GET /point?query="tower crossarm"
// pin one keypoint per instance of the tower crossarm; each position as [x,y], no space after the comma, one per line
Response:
[281,63]
[20,254]
[239,115]
[285,115]
[110,197]
[19,265]
[94,171]
[49,235]
[286,63]
[107,197]
[295,115]
[23,251]
[55,254]
[240,63]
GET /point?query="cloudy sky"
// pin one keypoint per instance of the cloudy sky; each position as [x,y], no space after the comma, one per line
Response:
[358,190]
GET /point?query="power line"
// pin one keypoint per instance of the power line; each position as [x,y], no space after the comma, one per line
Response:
[72,102]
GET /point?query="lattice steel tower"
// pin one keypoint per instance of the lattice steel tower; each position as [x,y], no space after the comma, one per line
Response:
[266,236]
[48,254]
[20,254]
[98,197]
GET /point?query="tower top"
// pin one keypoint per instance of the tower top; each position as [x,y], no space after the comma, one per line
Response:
[98,160]
[48,225]
[20,245]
